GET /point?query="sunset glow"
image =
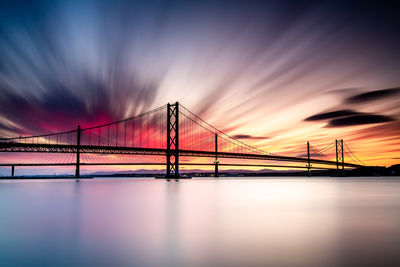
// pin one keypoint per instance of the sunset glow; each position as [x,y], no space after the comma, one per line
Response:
[273,75]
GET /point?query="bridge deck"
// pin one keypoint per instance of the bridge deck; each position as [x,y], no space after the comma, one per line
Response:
[53,148]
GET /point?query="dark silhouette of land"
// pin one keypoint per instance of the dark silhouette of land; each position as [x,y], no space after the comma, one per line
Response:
[377,171]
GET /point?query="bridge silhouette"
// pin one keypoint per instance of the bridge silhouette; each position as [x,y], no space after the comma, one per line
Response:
[163,136]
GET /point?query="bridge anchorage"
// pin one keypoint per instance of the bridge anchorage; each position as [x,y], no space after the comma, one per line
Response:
[170,136]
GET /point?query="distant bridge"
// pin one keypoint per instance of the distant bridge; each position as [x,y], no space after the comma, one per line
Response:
[166,134]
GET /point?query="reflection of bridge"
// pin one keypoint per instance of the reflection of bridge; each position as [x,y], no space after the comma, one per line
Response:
[169,132]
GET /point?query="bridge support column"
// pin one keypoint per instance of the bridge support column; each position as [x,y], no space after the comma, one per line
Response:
[78,145]
[12,170]
[308,159]
[340,157]
[173,140]
[216,156]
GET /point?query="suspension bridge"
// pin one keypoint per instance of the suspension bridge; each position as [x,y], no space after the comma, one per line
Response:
[170,136]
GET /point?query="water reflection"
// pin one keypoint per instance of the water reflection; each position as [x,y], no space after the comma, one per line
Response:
[224,222]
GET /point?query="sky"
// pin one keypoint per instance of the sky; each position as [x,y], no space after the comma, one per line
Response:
[275,74]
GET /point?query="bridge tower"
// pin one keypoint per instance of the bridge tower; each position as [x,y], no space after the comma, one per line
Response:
[216,156]
[308,159]
[173,140]
[78,145]
[339,156]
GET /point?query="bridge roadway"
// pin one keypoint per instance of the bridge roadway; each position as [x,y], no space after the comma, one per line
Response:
[61,148]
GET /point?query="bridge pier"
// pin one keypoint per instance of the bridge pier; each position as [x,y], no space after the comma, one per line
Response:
[12,170]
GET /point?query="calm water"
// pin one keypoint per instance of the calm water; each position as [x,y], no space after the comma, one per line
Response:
[207,222]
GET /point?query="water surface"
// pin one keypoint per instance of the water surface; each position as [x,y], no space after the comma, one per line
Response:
[200,222]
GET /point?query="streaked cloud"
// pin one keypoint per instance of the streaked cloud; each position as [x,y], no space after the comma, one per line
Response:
[332,114]
[374,95]
[246,136]
[359,120]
